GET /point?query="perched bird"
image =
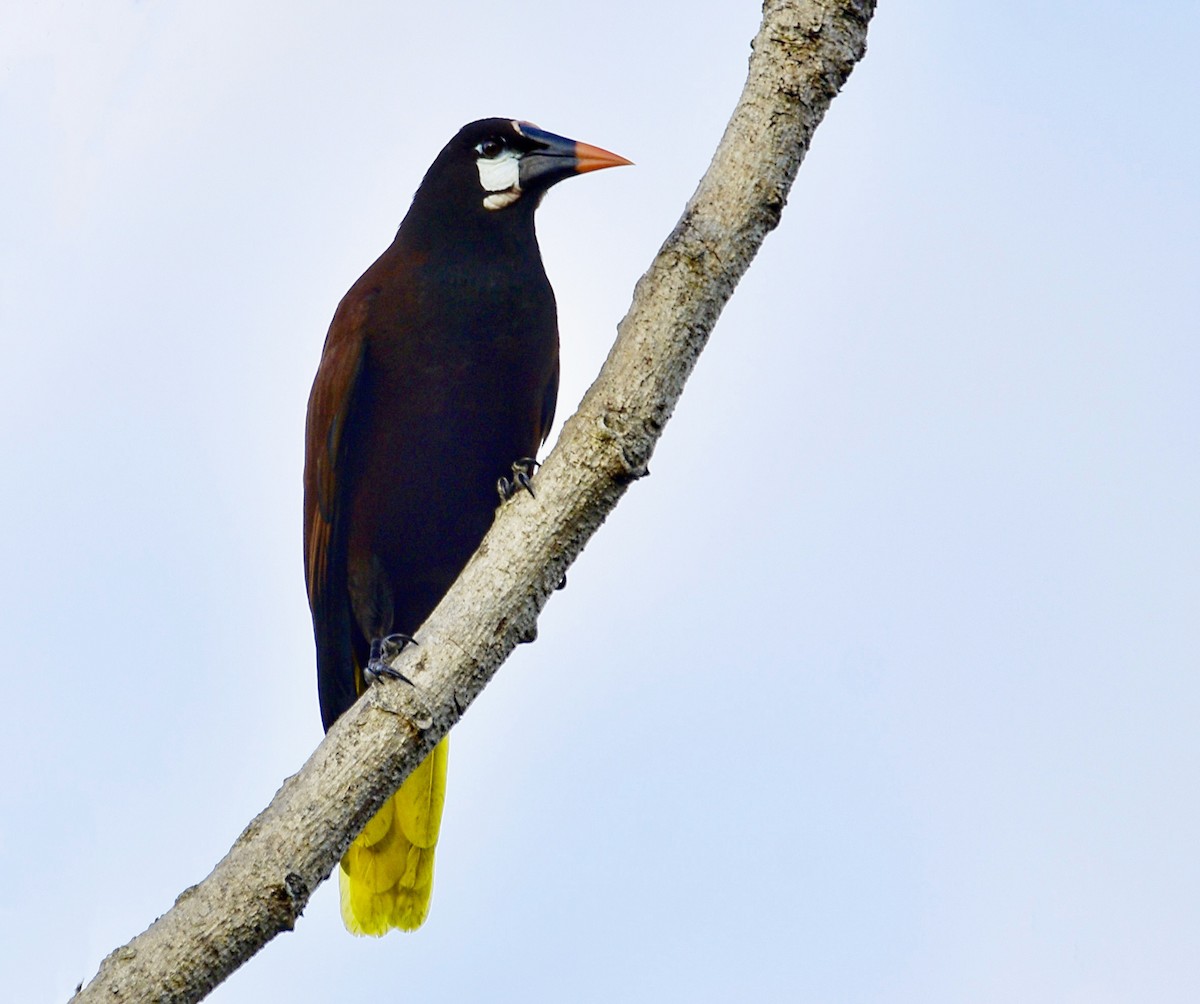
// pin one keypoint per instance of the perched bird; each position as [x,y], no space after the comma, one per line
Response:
[438,379]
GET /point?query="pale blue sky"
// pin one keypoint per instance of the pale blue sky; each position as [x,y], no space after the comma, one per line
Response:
[883,687]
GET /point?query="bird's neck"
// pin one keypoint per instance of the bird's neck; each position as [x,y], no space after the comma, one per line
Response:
[469,232]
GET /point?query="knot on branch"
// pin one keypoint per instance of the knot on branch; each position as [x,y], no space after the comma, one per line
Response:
[633,445]
[288,900]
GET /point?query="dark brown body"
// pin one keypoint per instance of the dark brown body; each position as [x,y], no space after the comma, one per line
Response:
[439,370]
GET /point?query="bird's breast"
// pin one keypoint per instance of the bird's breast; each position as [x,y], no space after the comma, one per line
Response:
[460,333]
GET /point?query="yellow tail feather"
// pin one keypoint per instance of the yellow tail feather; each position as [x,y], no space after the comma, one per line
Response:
[386,877]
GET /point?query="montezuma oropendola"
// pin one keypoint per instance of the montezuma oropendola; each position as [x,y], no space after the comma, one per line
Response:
[439,373]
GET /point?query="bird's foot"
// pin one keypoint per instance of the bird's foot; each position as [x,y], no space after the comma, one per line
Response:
[383,651]
[522,473]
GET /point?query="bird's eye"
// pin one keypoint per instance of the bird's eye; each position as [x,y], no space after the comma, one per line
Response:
[492,147]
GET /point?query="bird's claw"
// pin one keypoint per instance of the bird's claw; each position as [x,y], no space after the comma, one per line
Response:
[523,470]
[383,651]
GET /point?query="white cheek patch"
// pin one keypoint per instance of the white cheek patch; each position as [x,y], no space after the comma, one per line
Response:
[498,173]
[501,177]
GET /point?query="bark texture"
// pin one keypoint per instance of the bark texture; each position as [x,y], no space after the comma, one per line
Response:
[802,54]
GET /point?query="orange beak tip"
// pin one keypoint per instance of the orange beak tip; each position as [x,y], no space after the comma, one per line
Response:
[594,158]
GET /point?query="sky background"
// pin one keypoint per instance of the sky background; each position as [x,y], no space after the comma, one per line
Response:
[883,687]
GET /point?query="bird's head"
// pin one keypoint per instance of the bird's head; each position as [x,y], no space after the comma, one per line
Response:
[497,163]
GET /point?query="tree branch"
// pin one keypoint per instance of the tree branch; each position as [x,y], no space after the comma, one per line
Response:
[803,53]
